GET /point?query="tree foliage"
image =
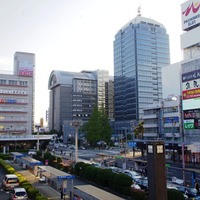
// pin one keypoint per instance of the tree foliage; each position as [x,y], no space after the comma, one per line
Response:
[98,127]
[139,130]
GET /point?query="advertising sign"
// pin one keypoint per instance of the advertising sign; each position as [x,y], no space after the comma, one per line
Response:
[190,11]
[190,104]
[191,114]
[189,85]
[190,94]
[25,68]
[189,124]
[193,75]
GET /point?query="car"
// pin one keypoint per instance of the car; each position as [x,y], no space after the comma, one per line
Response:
[133,174]
[143,183]
[96,164]
[42,179]
[10,181]
[189,191]
[82,148]
[31,152]
[115,169]
[135,186]
[18,193]
[101,143]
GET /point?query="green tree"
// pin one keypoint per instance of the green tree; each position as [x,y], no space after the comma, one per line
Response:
[106,130]
[139,130]
[98,127]
[94,127]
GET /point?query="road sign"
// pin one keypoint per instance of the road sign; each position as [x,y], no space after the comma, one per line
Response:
[132,144]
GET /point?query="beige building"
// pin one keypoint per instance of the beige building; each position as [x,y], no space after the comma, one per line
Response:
[17,97]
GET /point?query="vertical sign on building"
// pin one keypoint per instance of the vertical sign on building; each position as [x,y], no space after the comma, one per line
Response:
[156,170]
[191,98]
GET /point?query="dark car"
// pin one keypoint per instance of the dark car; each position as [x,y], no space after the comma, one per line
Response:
[189,191]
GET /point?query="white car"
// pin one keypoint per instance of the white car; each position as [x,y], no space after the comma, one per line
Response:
[31,152]
[18,193]
[135,186]
[134,175]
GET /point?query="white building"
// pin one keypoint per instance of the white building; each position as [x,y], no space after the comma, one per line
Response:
[190,44]
[164,120]
[17,97]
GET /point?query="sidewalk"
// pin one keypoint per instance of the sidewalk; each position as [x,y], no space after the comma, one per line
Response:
[43,188]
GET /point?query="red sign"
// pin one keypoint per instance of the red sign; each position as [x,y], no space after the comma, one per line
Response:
[191,94]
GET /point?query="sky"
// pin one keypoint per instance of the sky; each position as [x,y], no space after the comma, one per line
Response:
[75,35]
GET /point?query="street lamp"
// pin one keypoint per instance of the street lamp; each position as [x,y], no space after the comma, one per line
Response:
[38,138]
[76,124]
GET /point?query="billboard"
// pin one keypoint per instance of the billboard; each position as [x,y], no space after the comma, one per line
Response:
[190,104]
[190,12]
[191,119]
[25,68]
[191,114]
[190,94]
[193,75]
[189,85]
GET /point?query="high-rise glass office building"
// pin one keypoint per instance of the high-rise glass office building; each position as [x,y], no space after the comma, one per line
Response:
[141,49]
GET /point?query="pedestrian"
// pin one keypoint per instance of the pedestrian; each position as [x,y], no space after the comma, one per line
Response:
[61,192]
[197,186]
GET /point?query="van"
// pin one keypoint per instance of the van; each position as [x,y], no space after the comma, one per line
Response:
[10,181]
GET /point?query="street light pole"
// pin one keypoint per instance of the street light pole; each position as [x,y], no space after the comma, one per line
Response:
[38,138]
[76,124]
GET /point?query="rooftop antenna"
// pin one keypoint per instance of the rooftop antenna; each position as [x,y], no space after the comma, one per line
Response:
[139,10]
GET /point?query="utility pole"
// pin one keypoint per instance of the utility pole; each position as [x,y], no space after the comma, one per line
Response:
[76,124]
[38,137]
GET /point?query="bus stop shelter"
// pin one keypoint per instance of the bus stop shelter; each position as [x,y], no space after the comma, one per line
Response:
[58,179]
[91,192]
[17,155]
[30,162]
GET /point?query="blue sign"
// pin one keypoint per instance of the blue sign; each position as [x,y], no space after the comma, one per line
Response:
[66,177]
[172,119]
[132,144]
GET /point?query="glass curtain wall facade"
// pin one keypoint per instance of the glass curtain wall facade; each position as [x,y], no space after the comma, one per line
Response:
[141,49]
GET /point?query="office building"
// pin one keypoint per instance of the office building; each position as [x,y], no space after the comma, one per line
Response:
[171,80]
[109,99]
[73,96]
[164,120]
[141,49]
[17,97]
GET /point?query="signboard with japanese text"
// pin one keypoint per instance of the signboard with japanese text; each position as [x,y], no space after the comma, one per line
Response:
[190,11]
[25,68]
[190,94]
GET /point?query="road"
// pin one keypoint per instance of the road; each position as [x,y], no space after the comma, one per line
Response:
[4,195]
[174,169]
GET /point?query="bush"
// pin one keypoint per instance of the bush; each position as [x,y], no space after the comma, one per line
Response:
[26,185]
[138,194]
[121,181]
[174,194]
[103,177]
[40,197]
[32,192]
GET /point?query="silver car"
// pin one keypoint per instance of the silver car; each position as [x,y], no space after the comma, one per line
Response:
[18,193]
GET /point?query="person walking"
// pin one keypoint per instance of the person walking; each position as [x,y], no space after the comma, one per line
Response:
[61,192]
[197,186]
